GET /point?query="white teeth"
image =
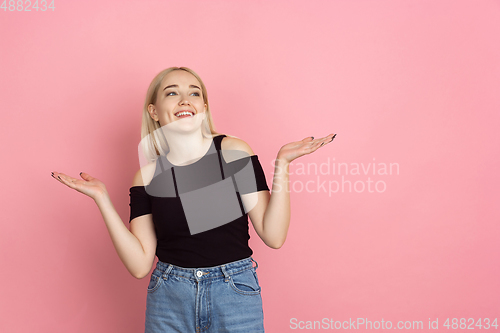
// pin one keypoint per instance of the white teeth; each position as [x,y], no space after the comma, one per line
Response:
[184,113]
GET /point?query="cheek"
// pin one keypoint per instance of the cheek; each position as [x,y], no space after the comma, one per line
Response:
[201,102]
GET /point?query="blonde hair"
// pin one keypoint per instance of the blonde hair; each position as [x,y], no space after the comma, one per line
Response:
[153,141]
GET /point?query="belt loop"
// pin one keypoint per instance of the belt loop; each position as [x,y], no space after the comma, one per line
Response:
[167,271]
[223,267]
[256,264]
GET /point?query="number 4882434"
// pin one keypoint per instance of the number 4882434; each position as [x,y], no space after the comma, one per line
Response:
[26,6]
[463,323]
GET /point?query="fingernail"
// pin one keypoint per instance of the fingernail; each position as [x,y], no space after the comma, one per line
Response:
[59,177]
[312,137]
[333,137]
[81,173]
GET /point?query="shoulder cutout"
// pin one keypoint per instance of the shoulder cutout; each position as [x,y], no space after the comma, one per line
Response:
[144,175]
[237,147]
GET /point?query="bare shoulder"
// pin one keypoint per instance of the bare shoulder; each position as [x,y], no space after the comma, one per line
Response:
[144,175]
[234,143]
[234,148]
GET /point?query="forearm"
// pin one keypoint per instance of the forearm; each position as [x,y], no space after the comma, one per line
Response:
[277,215]
[127,246]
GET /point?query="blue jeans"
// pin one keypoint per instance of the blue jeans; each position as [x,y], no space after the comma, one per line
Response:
[224,298]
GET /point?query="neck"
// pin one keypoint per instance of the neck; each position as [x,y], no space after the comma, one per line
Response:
[186,146]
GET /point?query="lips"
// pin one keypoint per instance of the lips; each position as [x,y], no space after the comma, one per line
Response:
[191,112]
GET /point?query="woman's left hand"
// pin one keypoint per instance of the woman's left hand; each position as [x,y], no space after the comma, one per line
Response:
[293,150]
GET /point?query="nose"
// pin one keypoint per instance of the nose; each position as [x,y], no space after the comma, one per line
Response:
[184,101]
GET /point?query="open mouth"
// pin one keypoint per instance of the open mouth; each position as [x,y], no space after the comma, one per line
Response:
[182,114]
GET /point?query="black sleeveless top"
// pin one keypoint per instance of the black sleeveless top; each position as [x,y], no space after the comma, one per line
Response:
[199,218]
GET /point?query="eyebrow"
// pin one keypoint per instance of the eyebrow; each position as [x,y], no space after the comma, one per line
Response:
[175,85]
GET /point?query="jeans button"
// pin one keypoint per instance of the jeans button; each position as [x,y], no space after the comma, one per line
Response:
[199,273]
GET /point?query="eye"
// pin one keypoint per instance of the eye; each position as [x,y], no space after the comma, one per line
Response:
[173,92]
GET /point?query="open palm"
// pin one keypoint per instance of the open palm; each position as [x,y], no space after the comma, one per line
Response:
[90,186]
[293,150]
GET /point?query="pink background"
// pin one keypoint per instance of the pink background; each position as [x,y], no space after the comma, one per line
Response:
[409,82]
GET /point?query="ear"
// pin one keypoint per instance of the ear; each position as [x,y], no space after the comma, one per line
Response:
[152,112]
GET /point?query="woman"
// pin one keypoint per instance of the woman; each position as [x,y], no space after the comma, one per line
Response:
[204,280]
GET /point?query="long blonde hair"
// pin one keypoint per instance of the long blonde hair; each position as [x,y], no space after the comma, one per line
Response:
[153,142]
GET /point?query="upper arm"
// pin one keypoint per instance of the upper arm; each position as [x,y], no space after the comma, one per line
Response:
[142,227]
[255,203]
[258,202]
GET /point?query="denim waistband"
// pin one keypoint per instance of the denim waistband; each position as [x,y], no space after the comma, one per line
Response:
[202,273]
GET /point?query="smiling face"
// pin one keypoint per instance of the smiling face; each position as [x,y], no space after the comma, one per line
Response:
[179,91]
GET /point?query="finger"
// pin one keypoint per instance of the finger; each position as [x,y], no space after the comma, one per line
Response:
[56,176]
[66,180]
[328,139]
[324,139]
[87,179]
[62,178]
[324,142]
[86,176]
[315,142]
[314,146]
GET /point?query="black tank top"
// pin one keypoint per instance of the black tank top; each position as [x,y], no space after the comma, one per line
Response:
[209,186]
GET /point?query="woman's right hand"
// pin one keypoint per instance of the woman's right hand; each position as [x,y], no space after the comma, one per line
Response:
[90,186]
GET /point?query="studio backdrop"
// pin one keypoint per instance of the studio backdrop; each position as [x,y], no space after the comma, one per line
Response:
[394,225]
